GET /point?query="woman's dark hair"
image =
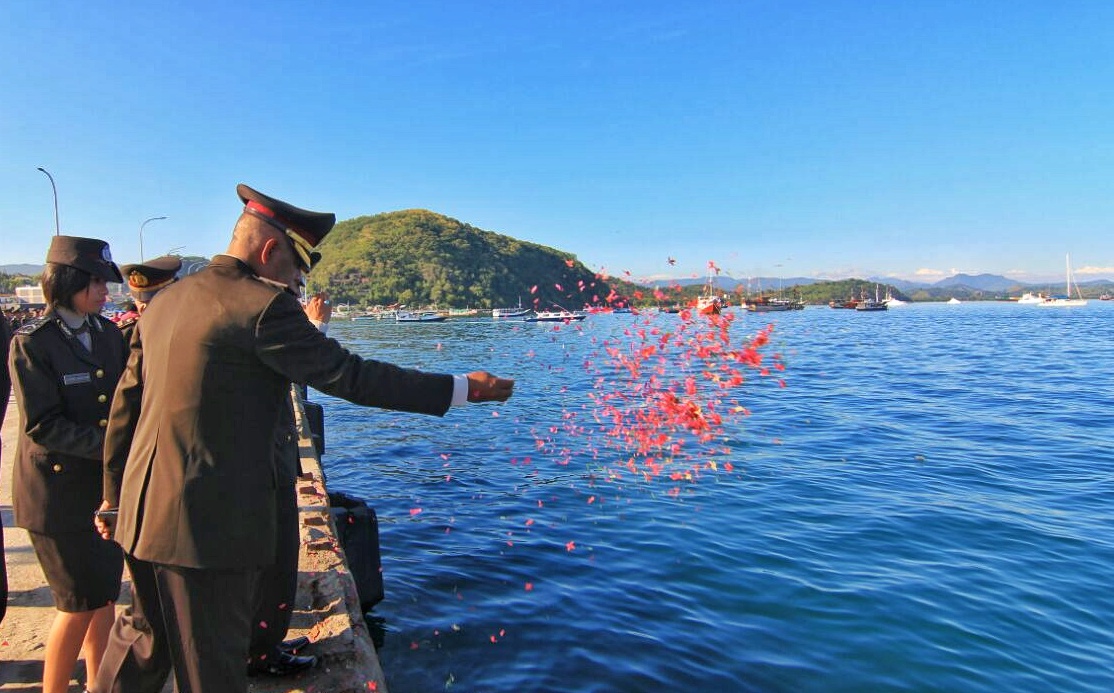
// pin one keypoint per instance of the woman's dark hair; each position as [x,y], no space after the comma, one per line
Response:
[61,283]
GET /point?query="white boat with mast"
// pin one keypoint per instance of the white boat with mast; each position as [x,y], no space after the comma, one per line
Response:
[892,301]
[1066,301]
[867,304]
[518,312]
[562,314]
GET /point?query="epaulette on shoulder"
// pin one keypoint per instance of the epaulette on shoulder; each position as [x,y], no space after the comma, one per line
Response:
[34,325]
[128,322]
[270,282]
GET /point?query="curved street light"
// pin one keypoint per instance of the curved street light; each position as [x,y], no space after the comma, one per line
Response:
[141,235]
[57,227]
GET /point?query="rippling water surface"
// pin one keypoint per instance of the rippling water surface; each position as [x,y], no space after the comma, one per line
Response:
[926,506]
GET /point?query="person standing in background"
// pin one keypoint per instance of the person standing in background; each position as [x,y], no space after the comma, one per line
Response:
[64,367]
[5,393]
[144,281]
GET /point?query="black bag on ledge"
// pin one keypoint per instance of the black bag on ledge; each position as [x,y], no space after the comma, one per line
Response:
[358,532]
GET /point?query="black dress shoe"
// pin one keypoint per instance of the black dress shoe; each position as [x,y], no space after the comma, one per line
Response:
[294,644]
[284,664]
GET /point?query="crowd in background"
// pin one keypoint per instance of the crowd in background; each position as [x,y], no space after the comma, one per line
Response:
[18,317]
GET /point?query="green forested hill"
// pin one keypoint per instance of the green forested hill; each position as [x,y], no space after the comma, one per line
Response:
[418,257]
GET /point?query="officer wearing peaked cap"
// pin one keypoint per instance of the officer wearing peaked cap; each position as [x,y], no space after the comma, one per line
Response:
[144,281]
[64,368]
[211,366]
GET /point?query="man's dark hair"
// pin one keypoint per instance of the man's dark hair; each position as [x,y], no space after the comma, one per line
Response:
[61,283]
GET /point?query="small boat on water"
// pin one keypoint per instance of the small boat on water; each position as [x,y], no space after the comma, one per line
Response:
[421,316]
[1029,298]
[892,301]
[871,304]
[518,312]
[556,316]
[849,304]
[709,302]
[767,304]
[954,301]
[709,305]
[1066,301]
[510,312]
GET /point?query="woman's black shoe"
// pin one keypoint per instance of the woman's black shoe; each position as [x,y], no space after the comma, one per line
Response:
[283,664]
[294,644]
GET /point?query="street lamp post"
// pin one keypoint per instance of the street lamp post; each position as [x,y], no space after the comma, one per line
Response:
[57,227]
[141,235]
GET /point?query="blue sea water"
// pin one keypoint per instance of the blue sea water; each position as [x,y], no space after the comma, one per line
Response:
[924,506]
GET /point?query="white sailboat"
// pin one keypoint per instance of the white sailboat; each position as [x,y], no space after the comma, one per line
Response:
[1066,301]
[892,301]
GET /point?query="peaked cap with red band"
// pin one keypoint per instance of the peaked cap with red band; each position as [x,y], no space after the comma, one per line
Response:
[146,279]
[305,228]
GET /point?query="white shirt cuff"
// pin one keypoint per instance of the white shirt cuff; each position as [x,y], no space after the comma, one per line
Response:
[323,326]
[460,391]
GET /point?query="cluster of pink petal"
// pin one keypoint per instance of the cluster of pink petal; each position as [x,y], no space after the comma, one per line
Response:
[661,396]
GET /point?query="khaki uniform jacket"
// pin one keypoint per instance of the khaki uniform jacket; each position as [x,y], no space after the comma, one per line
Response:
[190,452]
[64,393]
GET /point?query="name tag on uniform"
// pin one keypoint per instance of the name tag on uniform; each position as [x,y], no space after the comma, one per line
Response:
[76,378]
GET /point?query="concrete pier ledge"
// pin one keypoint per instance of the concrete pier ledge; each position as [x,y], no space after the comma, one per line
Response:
[327,608]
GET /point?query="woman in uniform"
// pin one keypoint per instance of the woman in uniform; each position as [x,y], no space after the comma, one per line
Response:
[64,367]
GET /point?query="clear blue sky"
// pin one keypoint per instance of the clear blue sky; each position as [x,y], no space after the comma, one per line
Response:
[828,138]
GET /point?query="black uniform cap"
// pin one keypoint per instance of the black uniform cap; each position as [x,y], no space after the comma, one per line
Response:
[146,279]
[86,254]
[305,228]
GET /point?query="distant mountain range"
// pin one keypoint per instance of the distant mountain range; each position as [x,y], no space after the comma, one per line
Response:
[25,270]
[960,282]
[971,282]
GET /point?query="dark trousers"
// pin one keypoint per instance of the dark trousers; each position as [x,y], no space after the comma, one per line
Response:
[196,621]
[278,584]
[3,574]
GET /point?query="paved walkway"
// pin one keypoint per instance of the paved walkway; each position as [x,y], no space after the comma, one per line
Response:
[327,608]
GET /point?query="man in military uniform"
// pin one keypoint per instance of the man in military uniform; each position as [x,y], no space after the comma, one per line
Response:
[190,446]
[144,281]
[278,584]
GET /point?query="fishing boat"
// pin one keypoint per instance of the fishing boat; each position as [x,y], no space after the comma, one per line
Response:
[1066,301]
[419,316]
[556,316]
[870,305]
[768,304]
[709,302]
[709,305]
[518,312]
[867,304]
[849,304]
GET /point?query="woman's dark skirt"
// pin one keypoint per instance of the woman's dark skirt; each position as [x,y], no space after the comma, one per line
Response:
[82,569]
